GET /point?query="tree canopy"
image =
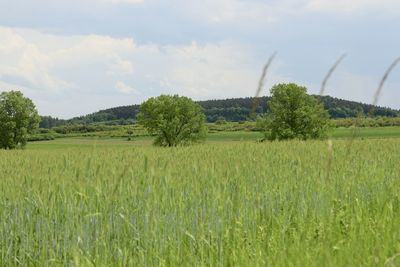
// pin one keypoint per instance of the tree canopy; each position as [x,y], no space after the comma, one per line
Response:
[294,114]
[175,120]
[18,117]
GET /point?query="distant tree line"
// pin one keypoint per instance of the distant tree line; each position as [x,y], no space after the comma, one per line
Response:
[231,110]
[50,122]
[367,122]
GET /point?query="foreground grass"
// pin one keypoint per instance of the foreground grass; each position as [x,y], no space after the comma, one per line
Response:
[238,204]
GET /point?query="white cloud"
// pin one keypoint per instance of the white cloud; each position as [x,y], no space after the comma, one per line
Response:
[209,71]
[92,72]
[77,68]
[120,68]
[44,62]
[237,12]
[25,62]
[125,89]
[386,7]
[94,48]
[124,1]
[252,14]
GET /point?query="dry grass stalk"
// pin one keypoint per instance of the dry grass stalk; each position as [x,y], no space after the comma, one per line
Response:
[384,78]
[377,94]
[330,72]
[262,81]
[321,92]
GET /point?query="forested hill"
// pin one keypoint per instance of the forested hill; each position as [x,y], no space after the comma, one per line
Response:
[235,109]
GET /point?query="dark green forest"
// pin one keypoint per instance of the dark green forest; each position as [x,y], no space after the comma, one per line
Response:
[234,110]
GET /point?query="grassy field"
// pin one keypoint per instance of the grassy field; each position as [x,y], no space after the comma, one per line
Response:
[74,202]
[338,133]
[374,132]
[217,137]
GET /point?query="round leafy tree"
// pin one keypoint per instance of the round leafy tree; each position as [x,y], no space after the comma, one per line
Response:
[294,115]
[175,120]
[18,117]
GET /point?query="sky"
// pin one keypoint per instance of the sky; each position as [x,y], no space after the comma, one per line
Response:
[77,57]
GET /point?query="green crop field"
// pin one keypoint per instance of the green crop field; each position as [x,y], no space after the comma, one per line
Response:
[215,137]
[74,202]
[373,132]
[337,133]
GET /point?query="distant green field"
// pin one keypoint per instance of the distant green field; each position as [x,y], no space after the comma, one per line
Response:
[374,132]
[88,143]
[382,132]
[223,136]
[109,202]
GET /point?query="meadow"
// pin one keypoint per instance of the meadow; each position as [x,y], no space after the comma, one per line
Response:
[226,133]
[75,202]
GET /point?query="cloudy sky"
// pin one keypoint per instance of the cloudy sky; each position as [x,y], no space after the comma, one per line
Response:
[76,57]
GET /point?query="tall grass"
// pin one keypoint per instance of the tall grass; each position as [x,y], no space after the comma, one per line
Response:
[329,74]
[261,82]
[239,204]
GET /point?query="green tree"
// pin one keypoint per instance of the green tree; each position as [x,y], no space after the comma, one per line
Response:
[294,115]
[220,120]
[175,120]
[18,117]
